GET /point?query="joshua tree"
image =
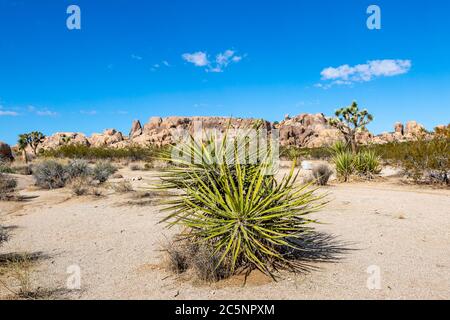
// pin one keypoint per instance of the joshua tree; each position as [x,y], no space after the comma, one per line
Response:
[33,139]
[22,143]
[349,121]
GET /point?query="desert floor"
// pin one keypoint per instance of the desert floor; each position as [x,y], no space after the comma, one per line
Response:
[116,241]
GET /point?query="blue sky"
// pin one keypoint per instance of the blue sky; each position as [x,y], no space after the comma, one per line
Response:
[247,58]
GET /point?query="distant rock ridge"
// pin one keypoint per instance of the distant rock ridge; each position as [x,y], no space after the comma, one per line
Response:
[304,130]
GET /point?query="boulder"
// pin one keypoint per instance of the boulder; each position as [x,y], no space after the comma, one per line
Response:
[5,151]
[136,129]
[414,130]
[399,128]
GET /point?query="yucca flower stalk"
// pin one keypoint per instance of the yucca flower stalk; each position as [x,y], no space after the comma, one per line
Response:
[236,204]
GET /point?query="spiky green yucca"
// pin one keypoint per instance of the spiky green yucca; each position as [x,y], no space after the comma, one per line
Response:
[344,162]
[367,163]
[249,217]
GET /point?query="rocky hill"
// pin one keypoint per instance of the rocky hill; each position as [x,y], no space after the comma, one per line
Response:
[304,130]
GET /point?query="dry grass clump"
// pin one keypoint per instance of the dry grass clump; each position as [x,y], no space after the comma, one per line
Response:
[16,277]
[81,186]
[7,188]
[122,187]
[322,173]
[183,256]
[135,167]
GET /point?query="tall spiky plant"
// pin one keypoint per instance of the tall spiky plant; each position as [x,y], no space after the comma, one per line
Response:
[237,205]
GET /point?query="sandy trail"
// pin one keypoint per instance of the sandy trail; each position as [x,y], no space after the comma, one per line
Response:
[403,231]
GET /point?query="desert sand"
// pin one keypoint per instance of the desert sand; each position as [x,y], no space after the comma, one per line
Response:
[116,241]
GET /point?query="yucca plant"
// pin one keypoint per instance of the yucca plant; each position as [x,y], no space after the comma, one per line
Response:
[367,163]
[339,147]
[237,206]
[344,162]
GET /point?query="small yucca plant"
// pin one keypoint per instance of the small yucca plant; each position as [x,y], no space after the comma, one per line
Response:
[344,162]
[248,217]
[367,163]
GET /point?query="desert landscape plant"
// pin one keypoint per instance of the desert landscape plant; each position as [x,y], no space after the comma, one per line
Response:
[7,187]
[367,163]
[32,139]
[50,174]
[244,212]
[322,173]
[344,163]
[103,170]
[349,121]
[78,168]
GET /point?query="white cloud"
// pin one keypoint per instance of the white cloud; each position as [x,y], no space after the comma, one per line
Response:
[199,59]
[136,57]
[89,112]
[4,113]
[221,61]
[42,112]
[347,75]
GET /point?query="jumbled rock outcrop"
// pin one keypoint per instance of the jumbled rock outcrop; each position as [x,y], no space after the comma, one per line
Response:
[5,151]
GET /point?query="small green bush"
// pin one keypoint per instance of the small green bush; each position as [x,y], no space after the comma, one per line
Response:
[103,170]
[367,163]
[5,167]
[78,168]
[50,174]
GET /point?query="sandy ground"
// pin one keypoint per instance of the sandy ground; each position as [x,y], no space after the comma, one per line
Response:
[401,231]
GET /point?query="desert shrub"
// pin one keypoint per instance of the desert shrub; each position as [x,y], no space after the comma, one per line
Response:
[291,153]
[50,174]
[81,186]
[199,257]
[339,147]
[429,161]
[367,163]
[322,173]
[5,168]
[135,167]
[78,169]
[3,235]
[7,187]
[122,187]
[103,170]
[344,164]
[25,170]
[79,151]
[241,209]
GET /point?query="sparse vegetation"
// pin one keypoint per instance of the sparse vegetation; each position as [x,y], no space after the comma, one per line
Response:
[50,174]
[199,257]
[246,214]
[103,170]
[81,186]
[322,173]
[7,187]
[79,151]
[122,187]
[78,169]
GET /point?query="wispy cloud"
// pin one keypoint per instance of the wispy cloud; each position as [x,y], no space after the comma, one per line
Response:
[348,75]
[8,113]
[218,64]
[136,57]
[42,112]
[89,112]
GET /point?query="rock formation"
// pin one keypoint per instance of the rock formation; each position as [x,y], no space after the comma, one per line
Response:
[305,130]
[5,151]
